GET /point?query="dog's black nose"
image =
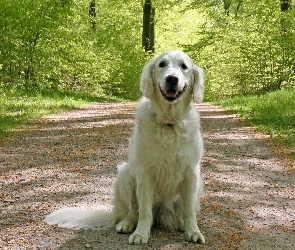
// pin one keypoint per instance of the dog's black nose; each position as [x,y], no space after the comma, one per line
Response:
[172,81]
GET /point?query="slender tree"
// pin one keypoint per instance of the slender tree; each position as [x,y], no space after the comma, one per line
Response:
[226,5]
[92,13]
[148,26]
[285,5]
[152,32]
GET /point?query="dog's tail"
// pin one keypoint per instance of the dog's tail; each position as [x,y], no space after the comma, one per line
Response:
[77,218]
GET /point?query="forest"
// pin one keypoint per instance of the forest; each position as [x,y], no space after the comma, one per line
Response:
[57,54]
[245,46]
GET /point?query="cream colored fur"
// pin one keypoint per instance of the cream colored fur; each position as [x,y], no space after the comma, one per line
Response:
[161,183]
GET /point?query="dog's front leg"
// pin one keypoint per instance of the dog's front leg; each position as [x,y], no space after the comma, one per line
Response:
[144,192]
[189,194]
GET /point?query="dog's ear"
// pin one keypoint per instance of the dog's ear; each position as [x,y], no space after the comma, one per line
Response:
[146,80]
[198,84]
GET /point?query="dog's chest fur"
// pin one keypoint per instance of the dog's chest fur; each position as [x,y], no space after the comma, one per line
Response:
[166,151]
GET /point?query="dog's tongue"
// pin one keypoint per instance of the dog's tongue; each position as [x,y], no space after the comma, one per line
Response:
[171,93]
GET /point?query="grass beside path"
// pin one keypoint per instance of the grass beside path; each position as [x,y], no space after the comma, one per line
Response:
[18,107]
[272,113]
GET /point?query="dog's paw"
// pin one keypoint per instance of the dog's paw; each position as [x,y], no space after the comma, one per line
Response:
[138,238]
[195,237]
[125,226]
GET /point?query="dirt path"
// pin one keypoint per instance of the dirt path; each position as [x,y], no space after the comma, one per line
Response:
[70,160]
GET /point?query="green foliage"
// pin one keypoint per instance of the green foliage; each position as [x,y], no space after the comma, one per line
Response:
[26,28]
[52,45]
[273,112]
[175,26]
[247,47]
[18,106]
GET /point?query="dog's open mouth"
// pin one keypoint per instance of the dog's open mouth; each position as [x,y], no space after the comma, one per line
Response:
[172,94]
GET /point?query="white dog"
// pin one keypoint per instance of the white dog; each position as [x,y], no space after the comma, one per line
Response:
[161,183]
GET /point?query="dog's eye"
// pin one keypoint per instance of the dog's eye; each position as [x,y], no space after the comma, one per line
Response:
[183,66]
[162,64]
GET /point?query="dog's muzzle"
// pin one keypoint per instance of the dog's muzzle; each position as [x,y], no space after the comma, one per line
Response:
[171,92]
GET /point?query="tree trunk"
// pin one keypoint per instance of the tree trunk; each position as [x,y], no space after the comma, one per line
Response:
[92,13]
[285,5]
[152,32]
[226,5]
[148,27]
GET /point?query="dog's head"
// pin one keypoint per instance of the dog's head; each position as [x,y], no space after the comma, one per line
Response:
[172,75]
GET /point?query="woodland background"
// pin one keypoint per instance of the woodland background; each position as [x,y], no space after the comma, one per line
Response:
[61,54]
[245,46]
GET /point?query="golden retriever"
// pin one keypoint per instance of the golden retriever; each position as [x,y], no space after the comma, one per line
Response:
[161,184]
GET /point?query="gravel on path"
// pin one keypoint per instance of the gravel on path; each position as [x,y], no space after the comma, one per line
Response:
[70,159]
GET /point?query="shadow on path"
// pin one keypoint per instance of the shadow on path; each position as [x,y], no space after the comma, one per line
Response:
[249,198]
[70,159]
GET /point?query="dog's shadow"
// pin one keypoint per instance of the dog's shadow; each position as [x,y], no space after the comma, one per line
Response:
[110,239]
